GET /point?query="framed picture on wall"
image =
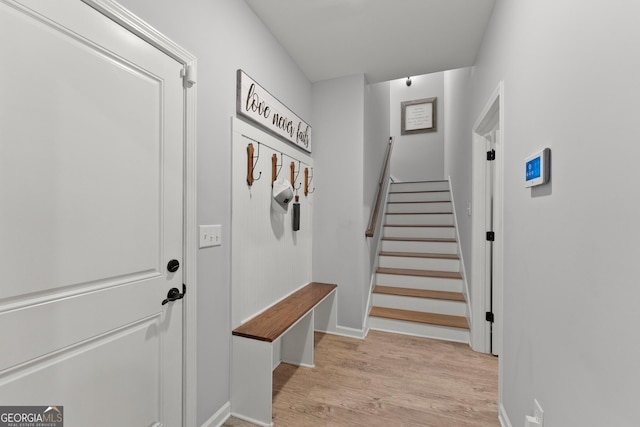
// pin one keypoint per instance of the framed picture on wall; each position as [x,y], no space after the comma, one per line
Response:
[419,116]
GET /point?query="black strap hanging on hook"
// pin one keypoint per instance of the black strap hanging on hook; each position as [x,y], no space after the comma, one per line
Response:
[296,214]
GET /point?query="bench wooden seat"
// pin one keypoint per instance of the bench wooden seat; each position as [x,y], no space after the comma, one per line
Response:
[273,322]
[281,333]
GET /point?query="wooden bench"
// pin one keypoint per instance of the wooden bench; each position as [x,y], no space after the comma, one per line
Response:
[283,332]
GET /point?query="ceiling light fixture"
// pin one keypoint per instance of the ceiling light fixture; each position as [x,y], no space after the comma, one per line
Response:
[408,81]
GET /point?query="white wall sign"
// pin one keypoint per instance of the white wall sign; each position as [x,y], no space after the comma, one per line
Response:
[258,105]
[418,116]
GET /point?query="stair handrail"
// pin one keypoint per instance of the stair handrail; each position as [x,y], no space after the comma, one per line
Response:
[384,177]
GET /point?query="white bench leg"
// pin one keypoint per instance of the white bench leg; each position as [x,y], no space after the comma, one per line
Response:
[251,380]
[326,314]
[297,343]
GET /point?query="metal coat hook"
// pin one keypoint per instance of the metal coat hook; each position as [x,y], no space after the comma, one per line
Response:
[275,170]
[307,181]
[294,175]
[252,161]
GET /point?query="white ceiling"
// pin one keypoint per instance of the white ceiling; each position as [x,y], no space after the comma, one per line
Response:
[384,39]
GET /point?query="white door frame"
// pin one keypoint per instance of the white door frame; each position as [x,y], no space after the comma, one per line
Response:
[126,19]
[491,118]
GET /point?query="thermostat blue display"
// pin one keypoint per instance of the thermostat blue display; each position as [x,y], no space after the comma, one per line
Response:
[533,169]
[537,168]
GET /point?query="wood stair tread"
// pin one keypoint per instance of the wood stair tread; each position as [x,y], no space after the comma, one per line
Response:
[419,213]
[420,317]
[420,225]
[419,255]
[420,273]
[418,182]
[420,239]
[419,191]
[418,201]
[419,293]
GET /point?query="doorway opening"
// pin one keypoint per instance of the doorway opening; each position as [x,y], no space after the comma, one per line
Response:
[487,226]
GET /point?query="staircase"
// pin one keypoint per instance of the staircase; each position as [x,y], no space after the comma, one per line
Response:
[419,287]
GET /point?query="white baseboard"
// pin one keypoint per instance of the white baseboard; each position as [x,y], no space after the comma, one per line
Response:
[503,417]
[251,420]
[412,334]
[349,332]
[219,417]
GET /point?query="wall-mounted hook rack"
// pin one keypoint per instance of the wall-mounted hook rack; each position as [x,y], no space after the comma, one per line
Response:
[275,168]
[307,181]
[252,161]
[294,175]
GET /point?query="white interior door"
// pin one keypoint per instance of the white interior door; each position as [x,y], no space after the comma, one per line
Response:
[91,205]
[497,267]
[493,267]
[489,226]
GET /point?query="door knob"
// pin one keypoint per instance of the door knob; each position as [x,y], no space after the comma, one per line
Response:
[173,266]
[174,294]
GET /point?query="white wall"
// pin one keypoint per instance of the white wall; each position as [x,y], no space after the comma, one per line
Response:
[224,35]
[570,72]
[428,147]
[457,151]
[339,250]
[268,259]
[376,141]
[351,134]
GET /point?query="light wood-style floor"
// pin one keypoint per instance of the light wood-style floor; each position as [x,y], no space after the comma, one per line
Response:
[386,380]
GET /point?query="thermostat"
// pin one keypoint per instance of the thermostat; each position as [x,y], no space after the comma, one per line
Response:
[537,168]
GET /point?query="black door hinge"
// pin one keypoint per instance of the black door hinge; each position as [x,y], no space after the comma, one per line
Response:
[491,155]
[491,236]
[489,316]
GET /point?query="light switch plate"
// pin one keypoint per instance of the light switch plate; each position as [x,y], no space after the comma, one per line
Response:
[210,235]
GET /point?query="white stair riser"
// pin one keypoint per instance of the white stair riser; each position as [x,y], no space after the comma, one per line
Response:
[420,186]
[427,305]
[419,329]
[417,219]
[422,247]
[416,263]
[436,196]
[421,232]
[419,282]
[420,207]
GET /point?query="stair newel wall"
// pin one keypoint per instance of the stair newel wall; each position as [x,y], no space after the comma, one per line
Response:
[463,270]
[374,230]
[375,241]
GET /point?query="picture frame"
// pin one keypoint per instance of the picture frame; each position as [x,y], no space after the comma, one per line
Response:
[419,116]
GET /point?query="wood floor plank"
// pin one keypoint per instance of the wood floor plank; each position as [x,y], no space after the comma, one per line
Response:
[421,317]
[386,380]
[419,293]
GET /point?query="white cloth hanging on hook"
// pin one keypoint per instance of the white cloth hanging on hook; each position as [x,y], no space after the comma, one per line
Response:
[282,194]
